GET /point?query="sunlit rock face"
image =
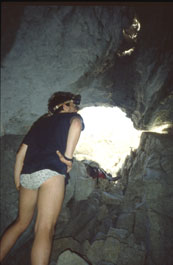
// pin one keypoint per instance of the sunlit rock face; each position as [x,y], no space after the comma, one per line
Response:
[83,49]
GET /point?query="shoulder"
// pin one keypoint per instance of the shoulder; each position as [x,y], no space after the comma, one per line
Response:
[78,117]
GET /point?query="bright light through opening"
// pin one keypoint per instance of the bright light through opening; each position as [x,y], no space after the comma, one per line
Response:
[108,137]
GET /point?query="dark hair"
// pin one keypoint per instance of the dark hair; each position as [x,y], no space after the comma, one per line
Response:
[58,98]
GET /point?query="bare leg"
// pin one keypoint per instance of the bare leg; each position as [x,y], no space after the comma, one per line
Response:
[50,199]
[27,202]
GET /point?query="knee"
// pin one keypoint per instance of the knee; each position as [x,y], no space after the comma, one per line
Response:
[44,228]
[21,224]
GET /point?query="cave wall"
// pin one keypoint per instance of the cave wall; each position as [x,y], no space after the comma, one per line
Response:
[55,47]
[51,48]
[76,48]
[106,223]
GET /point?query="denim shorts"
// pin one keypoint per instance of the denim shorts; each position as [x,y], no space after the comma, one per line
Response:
[36,179]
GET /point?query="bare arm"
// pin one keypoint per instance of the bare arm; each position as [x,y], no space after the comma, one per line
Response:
[19,164]
[73,137]
[72,140]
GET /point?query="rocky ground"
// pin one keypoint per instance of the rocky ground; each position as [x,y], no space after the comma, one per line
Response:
[106,223]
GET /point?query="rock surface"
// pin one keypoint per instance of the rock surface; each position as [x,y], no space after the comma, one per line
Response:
[80,48]
[70,258]
[124,222]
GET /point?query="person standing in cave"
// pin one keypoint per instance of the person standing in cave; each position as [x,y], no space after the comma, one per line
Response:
[43,162]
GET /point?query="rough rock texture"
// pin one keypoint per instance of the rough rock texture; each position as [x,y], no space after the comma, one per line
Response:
[123,223]
[80,48]
[148,195]
[69,257]
[77,48]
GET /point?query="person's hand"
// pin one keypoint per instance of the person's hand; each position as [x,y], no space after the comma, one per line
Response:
[65,161]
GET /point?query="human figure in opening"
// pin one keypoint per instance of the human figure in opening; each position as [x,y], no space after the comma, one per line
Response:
[43,162]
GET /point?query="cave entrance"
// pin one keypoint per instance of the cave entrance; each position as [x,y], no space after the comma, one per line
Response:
[108,137]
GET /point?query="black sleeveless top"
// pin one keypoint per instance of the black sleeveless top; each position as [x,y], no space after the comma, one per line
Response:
[47,135]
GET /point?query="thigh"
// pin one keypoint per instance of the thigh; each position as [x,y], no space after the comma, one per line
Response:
[27,203]
[50,199]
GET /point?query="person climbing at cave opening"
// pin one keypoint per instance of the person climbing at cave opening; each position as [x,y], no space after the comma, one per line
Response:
[43,162]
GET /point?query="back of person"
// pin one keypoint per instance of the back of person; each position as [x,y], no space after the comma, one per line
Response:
[41,171]
[46,136]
